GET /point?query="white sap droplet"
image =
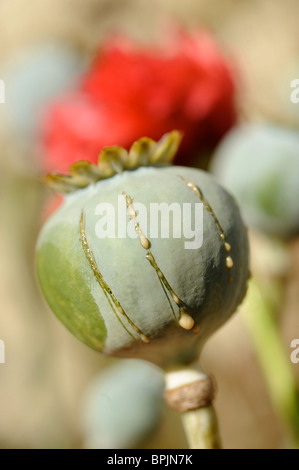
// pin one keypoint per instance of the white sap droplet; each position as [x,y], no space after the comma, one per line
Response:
[186,321]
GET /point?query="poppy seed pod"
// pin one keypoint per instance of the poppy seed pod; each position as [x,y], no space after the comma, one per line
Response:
[144,296]
[259,164]
[122,405]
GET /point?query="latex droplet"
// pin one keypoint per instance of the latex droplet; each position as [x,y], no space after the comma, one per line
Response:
[132,212]
[144,338]
[227,246]
[186,321]
[150,257]
[120,309]
[145,243]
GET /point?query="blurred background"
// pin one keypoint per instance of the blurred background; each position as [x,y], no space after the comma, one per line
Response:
[47,52]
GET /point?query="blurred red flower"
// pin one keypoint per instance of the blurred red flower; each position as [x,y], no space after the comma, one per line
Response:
[132,91]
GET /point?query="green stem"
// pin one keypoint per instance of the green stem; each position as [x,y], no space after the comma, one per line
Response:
[273,359]
[200,423]
[201,428]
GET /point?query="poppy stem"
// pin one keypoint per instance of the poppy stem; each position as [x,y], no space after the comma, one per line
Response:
[191,392]
[273,359]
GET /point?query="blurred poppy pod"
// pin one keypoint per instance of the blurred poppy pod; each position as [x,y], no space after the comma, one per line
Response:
[259,164]
[122,405]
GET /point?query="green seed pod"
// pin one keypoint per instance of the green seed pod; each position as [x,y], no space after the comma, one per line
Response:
[259,164]
[122,405]
[147,297]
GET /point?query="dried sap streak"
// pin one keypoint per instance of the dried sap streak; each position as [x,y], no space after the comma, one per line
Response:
[228,260]
[114,303]
[185,320]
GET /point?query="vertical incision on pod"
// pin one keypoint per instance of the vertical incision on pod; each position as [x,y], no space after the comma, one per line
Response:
[114,303]
[228,260]
[185,320]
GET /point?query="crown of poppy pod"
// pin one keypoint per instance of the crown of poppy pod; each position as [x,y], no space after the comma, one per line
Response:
[113,160]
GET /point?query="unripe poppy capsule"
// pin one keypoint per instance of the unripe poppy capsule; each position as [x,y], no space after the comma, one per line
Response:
[132,293]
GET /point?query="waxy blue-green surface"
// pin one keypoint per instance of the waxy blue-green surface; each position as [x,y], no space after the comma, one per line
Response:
[199,277]
[259,164]
[122,405]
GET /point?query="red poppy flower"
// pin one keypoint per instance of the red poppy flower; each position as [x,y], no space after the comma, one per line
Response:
[132,91]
